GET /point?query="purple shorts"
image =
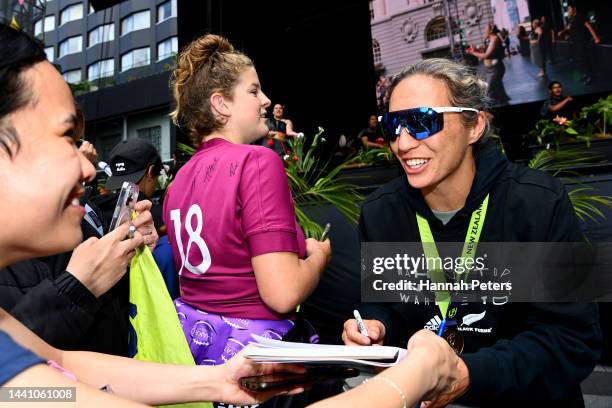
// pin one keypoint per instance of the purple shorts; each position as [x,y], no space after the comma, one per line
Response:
[214,339]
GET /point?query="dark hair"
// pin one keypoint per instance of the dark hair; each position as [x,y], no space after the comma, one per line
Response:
[18,52]
[209,64]
[553,83]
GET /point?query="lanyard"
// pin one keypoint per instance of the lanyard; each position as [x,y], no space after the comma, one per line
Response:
[469,250]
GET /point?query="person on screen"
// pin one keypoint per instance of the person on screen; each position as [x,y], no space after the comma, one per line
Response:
[536,40]
[493,59]
[512,354]
[523,39]
[582,35]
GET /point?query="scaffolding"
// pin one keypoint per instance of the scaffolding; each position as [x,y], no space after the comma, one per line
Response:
[23,13]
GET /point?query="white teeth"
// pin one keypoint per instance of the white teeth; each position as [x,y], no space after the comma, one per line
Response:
[75,201]
[416,163]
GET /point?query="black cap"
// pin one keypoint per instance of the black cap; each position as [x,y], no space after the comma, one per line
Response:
[129,161]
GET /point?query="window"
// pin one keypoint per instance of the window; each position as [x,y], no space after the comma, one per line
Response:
[167,48]
[70,46]
[376,52]
[136,21]
[105,144]
[91,9]
[49,23]
[166,10]
[151,135]
[71,13]
[437,28]
[102,33]
[101,69]
[38,27]
[72,77]
[371,10]
[50,53]
[136,58]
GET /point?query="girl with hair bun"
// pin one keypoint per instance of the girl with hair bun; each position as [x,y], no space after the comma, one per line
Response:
[243,262]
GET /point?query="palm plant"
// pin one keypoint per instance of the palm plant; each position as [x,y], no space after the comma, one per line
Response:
[313,184]
[586,204]
[376,155]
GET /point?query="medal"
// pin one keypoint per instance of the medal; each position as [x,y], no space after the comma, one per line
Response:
[454,338]
[448,312]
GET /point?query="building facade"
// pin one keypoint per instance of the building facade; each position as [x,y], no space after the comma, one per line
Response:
[407,31]
[103,54]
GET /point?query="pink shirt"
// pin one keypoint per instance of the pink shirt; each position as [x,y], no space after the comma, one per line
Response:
[227,204]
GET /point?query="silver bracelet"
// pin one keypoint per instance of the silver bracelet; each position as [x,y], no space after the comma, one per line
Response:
[392,384]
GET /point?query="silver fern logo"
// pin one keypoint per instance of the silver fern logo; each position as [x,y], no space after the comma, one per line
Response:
[473,318]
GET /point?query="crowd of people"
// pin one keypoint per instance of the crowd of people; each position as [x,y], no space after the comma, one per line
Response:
[229,235]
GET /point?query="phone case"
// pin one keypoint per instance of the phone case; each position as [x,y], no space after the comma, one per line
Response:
[128,195]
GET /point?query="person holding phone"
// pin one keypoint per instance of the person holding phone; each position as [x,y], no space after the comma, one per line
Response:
[511,353]
[243,262]
[76,300]
[37,120]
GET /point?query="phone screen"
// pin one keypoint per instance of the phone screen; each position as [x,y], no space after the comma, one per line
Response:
[286,380]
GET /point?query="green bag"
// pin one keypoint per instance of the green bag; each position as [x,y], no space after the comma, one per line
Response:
[155,331]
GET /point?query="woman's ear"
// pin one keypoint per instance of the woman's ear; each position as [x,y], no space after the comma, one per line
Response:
[219,106]
[479,129]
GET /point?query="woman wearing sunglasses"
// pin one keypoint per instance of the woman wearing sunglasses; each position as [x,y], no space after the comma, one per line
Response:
[512,353]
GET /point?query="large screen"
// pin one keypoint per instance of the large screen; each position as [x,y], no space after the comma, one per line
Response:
[533,43]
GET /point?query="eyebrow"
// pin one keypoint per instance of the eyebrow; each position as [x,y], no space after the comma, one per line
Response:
[70,120]
[76,125]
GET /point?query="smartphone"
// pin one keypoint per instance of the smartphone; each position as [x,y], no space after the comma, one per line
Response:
[128,195]
[325,232]
[259,383]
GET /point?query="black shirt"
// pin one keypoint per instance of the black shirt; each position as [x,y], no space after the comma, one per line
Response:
[371,133]
[577,31]
[567,111]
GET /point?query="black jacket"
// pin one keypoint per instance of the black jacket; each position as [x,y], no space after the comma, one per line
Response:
[54,304]
[527,353]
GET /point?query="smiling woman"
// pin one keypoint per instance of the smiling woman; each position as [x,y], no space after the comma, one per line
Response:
[454,180]
[44,127]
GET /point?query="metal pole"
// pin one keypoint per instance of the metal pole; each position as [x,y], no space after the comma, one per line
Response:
[449,29]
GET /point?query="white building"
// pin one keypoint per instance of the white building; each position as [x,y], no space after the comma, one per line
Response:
[406,31]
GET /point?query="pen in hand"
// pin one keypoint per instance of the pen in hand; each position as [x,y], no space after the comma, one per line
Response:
[325,232]
[360,324]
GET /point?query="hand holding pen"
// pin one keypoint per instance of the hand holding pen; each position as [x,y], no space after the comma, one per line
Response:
[372,332]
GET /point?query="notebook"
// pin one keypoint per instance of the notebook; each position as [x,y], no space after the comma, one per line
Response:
[265,350]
